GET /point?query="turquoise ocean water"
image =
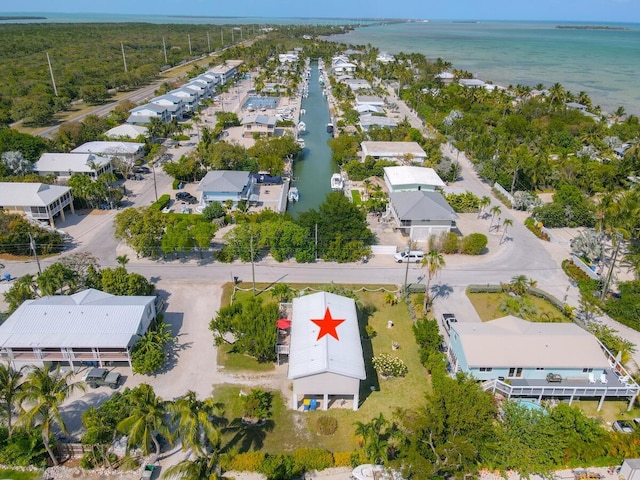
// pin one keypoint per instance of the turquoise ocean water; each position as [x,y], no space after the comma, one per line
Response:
[603,63]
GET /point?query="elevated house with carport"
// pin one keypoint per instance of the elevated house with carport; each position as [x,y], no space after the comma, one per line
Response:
[519,358]
[36,200]
[421,214]
[408,178]
[64,165]
[325,359]
[405,152]
[87,328]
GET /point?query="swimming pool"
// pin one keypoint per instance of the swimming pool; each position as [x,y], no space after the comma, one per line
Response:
[531,405]
[258,103]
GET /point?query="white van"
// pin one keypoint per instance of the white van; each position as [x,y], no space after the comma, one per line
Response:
[414,256]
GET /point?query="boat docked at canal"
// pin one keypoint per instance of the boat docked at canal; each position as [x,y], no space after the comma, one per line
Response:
[302,127]
[300,142]
[293,195]
[337,182]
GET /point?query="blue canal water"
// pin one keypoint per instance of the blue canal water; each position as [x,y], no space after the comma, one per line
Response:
[312,171]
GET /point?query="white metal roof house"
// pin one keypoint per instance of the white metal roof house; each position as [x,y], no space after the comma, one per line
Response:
[88,327]
[325,356]
[366,108]
[144,113]
[356,84]
[226,71]
[340,64]
[173,104]
[130,151]
[223,185]
[263,125]
[530,359]
[421,214]
[36,200]
[63,165]
[369,100]
[393,151]
[384,57]
[368,121]
[188,97]
[471,82]
[125,130]
[445,77]
[407,178]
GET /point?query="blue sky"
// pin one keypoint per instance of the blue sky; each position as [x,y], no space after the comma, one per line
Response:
[568,10]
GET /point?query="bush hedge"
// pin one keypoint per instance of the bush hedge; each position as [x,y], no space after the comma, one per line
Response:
[161,203]
[532,225]
[474,244]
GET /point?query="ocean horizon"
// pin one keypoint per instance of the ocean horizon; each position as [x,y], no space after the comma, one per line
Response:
[601,62]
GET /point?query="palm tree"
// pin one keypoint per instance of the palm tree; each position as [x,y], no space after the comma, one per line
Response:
[194,420]
[506,223]
[483,203]
[11,388]
[122,260]
[495,210]
[433,261]
[362,432]
[520,284]
[45,390]
[283,292]
[148,417]
[203,467]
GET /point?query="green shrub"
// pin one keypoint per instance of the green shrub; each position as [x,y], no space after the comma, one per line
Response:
[213,210]
[502,197]
[532,225]
[389,366]
[22,449]
[279,467]
[246,462]
[342,459]
[307,459]
[463,202]
[326,425]
[474,244]
[225,255]
[161,203]
[371,332]
[450,243]
[176,183]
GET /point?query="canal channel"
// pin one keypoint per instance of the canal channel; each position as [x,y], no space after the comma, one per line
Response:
[312,170]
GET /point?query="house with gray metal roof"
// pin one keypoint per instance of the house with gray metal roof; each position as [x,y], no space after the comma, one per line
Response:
[405,152]
[144,113]
[131,132]
[36,200]
[87,328]
[519,358]
[369,121]
[263,125]
[421,214]
[173,104]
[326,362]
[223,185]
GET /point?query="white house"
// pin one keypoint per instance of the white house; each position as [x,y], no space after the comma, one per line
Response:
[126,130]
[88,327]
[409,178]
[340,64]
[366,122]
[421,214]
[366,108]
[445,77]
[63,165]
[227,71]
[290,57]
[384,57]
[144,113]
[223,185]
[129,151]
[356,84]
[263,125]
[36,200]
[471,82]
[326,361]
[393,151]
[173,104]
[369,100]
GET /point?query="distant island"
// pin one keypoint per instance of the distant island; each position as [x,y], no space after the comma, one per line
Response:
[590,27]
[20,17]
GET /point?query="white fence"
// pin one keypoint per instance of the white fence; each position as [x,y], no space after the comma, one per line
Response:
[501,189]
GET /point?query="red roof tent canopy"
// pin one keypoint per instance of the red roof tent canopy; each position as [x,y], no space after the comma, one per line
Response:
[283,323]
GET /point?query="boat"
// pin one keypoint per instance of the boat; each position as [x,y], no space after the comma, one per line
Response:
[302,111]
[301,142]
[337,182]
[330,128]
[375,472]
[302,127]
[294,195]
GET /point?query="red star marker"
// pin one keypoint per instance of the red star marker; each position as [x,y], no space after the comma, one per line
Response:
[327,325]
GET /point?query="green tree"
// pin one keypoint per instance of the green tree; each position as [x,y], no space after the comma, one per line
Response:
[118,281]
[45,389]
[22,289]
[148,418]
[506,224]
[433,262]
[11,388]
[282,292]
[202,467]
[195,422]
[213,210]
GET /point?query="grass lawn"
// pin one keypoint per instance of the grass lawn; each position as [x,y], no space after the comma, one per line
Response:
[237,361]
[486,304]
[355,195]
[611,411]
[19,475]
[289,430]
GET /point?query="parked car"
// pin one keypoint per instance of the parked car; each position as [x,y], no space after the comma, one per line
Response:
[622,426]
[414,256]
[100,377]
[141,169]
[186,197]
[447,320]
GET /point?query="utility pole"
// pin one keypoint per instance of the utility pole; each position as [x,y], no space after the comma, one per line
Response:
[155,187]
[232,37]
[53,80]
[32,244]
[406,272]
[189,38]
[124,59]
[253,270]
[208,43]
[164,48]
[222,36]
[316,242]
